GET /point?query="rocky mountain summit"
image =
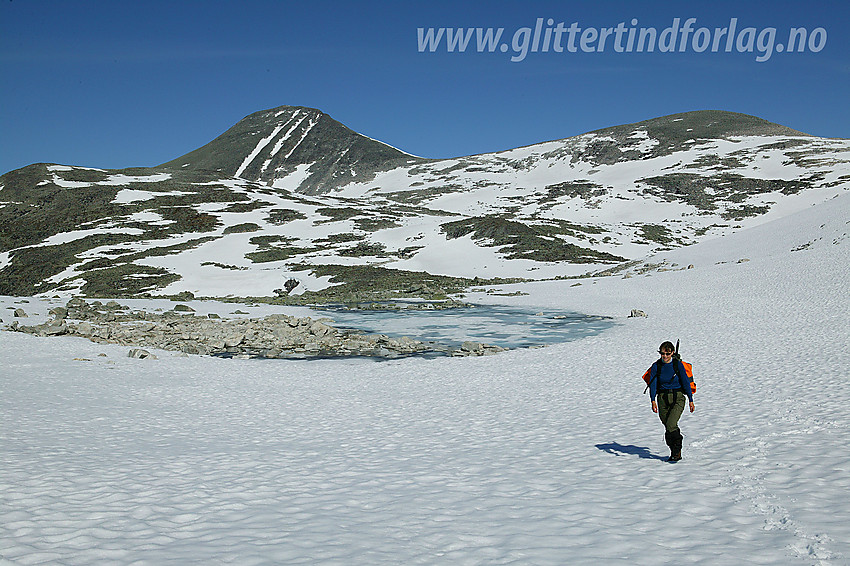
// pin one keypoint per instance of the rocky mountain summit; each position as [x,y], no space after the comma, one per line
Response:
[269,146]
[292,206]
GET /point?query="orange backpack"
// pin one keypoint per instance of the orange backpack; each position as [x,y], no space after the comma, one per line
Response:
[689,370]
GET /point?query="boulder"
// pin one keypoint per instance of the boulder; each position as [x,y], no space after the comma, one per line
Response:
[59,312]
[55,328]
[84,329]
[319,329]
[140,354]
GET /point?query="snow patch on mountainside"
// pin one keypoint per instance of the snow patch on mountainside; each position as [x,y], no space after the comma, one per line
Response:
[260,147]
[127,196]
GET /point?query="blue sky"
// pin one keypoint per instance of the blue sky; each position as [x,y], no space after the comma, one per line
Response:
[120,84]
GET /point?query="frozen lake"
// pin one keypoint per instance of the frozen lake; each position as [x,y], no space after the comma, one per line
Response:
[505,326]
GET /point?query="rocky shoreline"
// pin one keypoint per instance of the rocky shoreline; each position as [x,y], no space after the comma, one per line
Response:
[274,336]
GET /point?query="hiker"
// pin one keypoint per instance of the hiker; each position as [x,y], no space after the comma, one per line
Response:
[669,381]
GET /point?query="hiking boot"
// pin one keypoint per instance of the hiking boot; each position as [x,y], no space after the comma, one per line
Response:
[674,441]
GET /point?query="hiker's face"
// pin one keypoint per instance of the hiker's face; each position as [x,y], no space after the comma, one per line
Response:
[666,356]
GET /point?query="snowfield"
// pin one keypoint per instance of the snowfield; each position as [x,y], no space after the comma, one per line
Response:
[547,456]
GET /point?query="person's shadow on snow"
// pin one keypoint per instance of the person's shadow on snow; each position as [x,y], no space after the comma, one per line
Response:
[619,449]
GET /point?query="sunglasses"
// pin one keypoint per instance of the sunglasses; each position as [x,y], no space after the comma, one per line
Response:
[666,353]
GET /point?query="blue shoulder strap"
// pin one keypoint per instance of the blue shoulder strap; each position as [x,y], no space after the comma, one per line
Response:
[657,365]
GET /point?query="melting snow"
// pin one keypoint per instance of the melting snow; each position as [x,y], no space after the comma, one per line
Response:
[126,196]
[122,179]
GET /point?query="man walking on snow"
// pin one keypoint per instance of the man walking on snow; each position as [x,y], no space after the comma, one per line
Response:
[670,383]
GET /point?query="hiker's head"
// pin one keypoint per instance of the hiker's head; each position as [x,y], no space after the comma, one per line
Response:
[666,349]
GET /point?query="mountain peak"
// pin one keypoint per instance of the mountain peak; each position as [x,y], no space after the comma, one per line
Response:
[704,124]
[271,145]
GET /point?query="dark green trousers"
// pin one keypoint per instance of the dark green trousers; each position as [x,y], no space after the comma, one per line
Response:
[670,409]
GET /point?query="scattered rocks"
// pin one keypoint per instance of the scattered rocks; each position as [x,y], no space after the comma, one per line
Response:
[637,313]
[20,313]
[477,349]
[274,336]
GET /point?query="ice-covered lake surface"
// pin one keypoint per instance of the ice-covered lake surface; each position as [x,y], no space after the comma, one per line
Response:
[500,325]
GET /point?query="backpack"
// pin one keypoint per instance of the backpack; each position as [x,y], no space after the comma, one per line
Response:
[689,371]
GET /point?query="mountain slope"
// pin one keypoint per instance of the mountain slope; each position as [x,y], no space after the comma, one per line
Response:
[291,194]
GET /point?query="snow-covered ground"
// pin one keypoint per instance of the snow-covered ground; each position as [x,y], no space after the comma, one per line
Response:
[545,456]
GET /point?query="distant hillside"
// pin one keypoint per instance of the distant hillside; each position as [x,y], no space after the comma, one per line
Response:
[677,132]
[703,124]
[291,194]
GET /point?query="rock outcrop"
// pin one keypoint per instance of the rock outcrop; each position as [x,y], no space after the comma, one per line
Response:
[274,336]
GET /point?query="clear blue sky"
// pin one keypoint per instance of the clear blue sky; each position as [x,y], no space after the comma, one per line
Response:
[119,84]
